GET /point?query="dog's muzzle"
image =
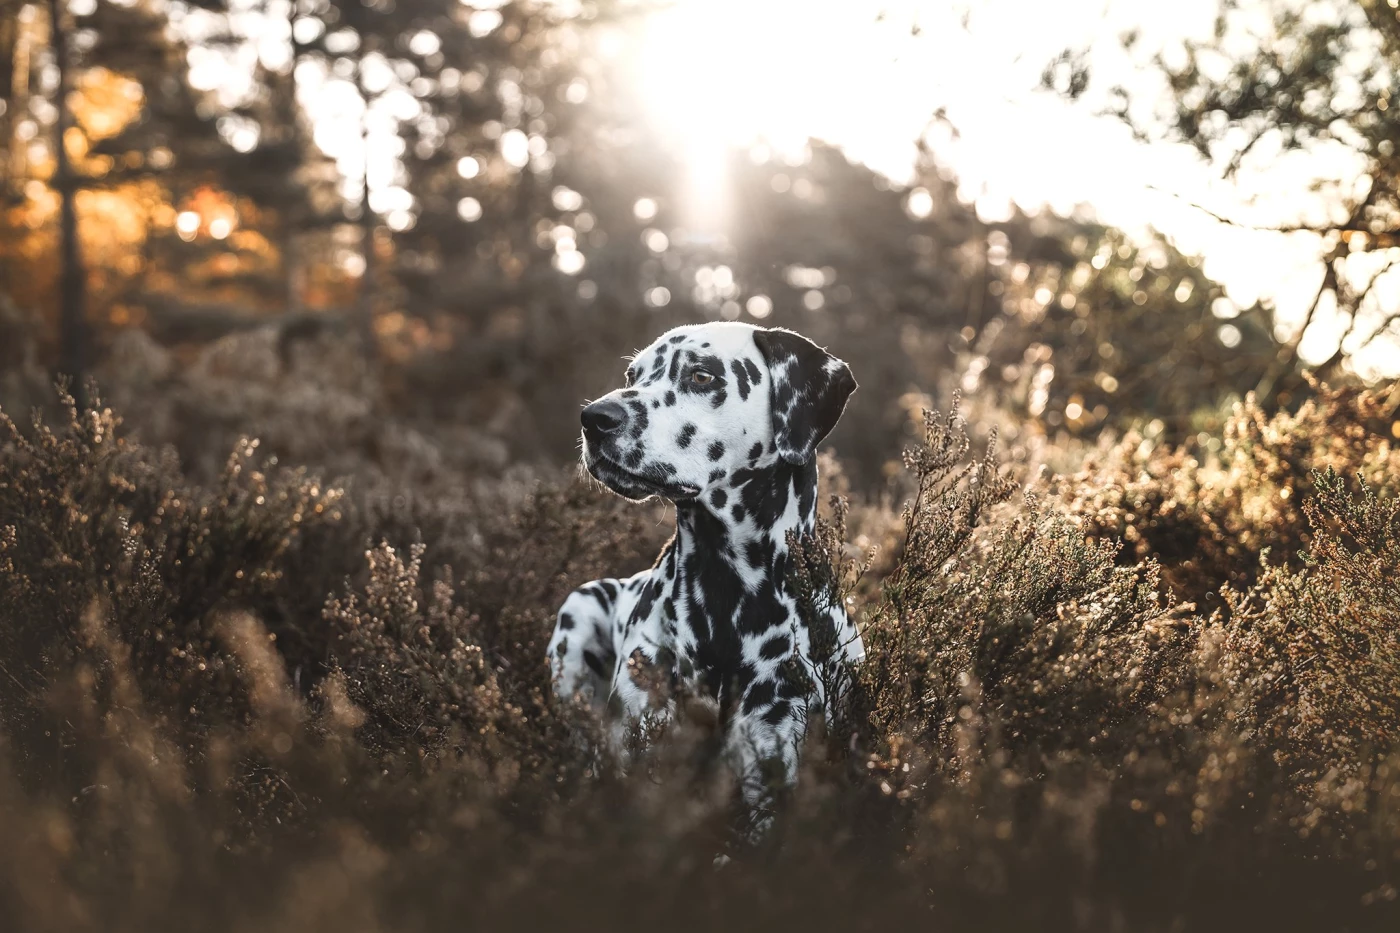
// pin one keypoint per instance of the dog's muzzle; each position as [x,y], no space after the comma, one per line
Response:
[604,424]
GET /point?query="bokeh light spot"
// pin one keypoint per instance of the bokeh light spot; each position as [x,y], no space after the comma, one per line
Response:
[469,209]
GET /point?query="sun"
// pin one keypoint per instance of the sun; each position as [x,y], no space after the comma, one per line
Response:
[732,69]
[715,75]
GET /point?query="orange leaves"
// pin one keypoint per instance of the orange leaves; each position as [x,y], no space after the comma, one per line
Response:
[104,103]
[114,223]
[208,212]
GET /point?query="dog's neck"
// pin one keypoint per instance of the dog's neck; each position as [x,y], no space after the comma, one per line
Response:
[726,574]
[741,530]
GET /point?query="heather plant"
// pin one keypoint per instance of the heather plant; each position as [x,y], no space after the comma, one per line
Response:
[93,524]
[1023,616]
[271,699]
[1207,512]
[1313,654]
[823,576]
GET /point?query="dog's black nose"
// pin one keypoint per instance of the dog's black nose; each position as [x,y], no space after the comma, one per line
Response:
[603,417]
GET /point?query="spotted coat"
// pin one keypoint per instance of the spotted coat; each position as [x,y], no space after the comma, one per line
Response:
[723,420]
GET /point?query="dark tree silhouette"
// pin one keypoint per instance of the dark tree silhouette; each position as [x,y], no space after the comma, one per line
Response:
[72,288]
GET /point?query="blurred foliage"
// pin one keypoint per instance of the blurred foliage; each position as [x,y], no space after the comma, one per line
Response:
[522,219]
[1280,77]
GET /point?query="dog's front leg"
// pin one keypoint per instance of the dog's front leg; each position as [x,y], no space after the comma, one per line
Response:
[643,696]
[763,747]
[583,649]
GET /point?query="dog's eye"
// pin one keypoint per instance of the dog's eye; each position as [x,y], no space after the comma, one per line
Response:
[701,378]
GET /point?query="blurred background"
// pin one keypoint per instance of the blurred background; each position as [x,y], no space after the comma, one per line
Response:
[309,219]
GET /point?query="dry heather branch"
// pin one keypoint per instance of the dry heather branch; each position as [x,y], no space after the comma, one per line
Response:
[266,701]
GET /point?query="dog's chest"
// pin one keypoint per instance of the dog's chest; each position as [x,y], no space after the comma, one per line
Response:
[710,621]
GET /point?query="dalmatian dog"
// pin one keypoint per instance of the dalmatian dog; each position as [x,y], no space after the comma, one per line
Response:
[723,420]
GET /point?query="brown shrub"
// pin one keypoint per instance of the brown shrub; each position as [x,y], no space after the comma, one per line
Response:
[264,700]
[1207,513]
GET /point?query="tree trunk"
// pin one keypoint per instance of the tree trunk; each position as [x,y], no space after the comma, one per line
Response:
[367,225]
[72,310]
[293,219]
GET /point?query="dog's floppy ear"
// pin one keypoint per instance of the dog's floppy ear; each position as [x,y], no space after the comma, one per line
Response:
[809,388]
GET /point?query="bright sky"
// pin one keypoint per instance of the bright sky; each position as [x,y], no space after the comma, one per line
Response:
[867,75]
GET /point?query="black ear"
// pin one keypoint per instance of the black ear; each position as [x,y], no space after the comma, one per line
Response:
[809,388]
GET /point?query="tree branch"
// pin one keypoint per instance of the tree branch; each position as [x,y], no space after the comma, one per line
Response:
[1352,224]
[1288,353]
[1354,303]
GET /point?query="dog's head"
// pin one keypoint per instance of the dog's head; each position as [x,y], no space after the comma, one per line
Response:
[705,400]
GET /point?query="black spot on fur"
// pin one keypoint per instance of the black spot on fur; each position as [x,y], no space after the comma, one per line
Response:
[679,338]
[755,374]
[741,379]
[566,621]
[778,713]
[793,688]
[718,498]
[670,398]
[683,439]
[716,475]
[647,600]
[766,491]
[776,647]
[807,494]
[595,664]
[640,418]
[716,451]
[738,513]
[760,695]
[756,451]
[719,398]
[759,552]
[746,676]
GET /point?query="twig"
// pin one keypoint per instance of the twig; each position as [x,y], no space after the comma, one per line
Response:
[1355,309]
[1351,225]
